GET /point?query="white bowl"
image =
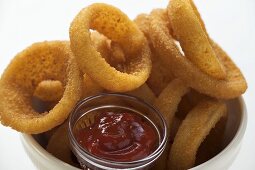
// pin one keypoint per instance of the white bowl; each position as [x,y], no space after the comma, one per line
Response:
[235,129]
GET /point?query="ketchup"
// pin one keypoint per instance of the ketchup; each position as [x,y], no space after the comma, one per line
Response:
[123,136]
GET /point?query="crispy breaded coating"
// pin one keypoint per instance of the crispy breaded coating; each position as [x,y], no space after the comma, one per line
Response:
[49,90]
[160,74]
[188,27]
[233,86]
[193,131]
[41,61]
[116,26]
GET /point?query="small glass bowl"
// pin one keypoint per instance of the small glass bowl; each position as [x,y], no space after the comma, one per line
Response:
[83,116]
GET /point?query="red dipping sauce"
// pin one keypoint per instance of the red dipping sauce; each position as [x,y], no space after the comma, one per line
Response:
[123,136]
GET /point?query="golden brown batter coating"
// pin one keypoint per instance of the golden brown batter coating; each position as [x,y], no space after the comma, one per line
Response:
[41,61]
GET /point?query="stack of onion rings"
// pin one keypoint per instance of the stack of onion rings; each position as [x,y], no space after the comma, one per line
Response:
[42,84]
[114,24]
[232,86]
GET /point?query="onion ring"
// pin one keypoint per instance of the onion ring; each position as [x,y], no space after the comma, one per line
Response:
[170,97]
[213,143]
[41,61]
[49,90]
[161,163]
[189,101]
[160,75]
[143,21]
[90,87]
[192,132]
[234,84]
[144,92]
[167,103]
[58,145]
[111,22]
[102,44]
[194,41]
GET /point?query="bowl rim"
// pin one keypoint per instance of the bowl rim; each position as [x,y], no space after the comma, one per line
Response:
[40,151]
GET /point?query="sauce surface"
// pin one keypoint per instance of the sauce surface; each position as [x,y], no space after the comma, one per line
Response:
[123,136]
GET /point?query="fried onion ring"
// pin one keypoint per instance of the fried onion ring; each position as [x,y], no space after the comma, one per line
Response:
[213,143]
[170,97]
[144,92]
[167,103]
[188,102]
[192,132]
[39,62]
[58,145]
[161,74]
[189,30]
[234,84]
[114,24]
[90,87]
[49,90]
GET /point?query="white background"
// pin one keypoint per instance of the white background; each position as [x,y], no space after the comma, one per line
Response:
[231,23]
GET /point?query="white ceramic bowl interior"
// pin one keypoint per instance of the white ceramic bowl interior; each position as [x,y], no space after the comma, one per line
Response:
[235,129]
